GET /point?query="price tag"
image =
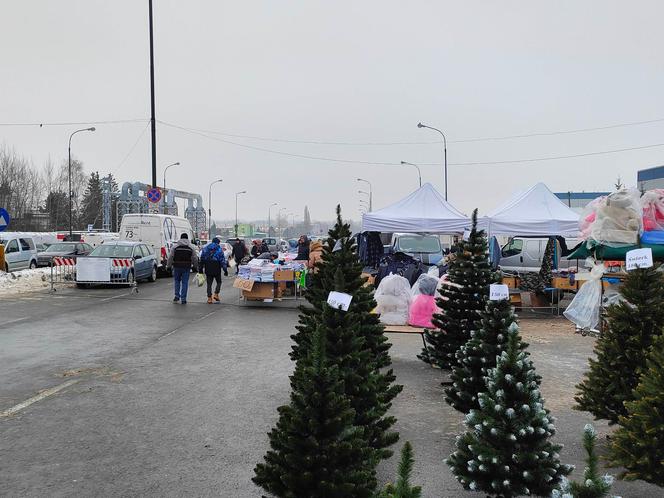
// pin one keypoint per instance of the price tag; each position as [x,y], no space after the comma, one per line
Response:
[638,258]
[498,292]
[466,235]
[339,300]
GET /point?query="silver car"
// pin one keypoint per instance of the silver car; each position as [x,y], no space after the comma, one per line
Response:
[20,252]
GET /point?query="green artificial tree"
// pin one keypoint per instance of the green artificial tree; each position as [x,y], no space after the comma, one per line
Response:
[638,444]
[593,485]
[316,451]
[464,296]
[506,450]
[621,351]
[537,282]
[403,488]
[478,355]
[355,339]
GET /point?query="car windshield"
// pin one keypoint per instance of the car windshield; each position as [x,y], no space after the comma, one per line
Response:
[61,248]
[419,243]
[112,251]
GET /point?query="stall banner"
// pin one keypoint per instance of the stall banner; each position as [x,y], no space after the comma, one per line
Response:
[339,300]
[638,258]
[499,292]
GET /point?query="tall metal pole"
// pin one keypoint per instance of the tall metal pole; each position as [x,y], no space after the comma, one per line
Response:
[210,206]
[370,192]
[420,125]
[269,220]
[71,193]
[236,196]
[419,173]
[153,121]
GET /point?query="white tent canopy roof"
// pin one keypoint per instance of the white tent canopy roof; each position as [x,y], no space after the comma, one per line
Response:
[425,210]
[535,212]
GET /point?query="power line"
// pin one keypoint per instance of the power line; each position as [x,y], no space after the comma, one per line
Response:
[463,140]
[374,163]
[140,136]
[77,123]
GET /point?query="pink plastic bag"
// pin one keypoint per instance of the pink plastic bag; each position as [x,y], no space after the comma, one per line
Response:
[422,308]
[653,210]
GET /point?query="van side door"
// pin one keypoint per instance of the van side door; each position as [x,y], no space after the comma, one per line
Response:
[13,255]
[26,252]
[532,253]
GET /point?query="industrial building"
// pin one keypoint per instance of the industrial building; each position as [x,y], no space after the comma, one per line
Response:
[648,179]
[578,200]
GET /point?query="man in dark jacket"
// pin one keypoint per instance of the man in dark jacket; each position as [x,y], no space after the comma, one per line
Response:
[303,248]
[182,258]
[212,263]
[239,252]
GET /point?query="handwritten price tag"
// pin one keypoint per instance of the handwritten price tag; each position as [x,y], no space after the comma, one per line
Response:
[339,300]
[638,258]
[498,292]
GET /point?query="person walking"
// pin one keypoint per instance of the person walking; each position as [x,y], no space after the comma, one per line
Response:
[303,248]
[255,249]
[239,252]
[181,259]
[212,264]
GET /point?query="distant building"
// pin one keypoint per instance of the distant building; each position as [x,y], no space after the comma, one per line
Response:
[648,179]
[578,200]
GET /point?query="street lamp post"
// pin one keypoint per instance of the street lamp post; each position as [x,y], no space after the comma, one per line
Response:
[279,219]
[165,170]
[370,192]
[419,173]
[210,206]
[420,125]
[236,196]
[269,219]
[71,193]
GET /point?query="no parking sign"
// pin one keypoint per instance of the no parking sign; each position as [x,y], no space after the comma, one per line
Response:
[153,195]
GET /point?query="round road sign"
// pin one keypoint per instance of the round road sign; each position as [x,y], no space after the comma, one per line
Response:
[4,219]
[154,194]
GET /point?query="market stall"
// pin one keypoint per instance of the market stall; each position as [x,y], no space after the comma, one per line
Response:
[268,281]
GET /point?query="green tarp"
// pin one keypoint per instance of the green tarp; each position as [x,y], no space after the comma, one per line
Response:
[607,253]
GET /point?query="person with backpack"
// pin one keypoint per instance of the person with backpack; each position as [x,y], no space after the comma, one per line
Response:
[239,252]
[182,258]
[212,263]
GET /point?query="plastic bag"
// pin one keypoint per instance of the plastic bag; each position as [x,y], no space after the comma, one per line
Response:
[425,284]
[200,279]
[588,216]
[583,311]
[652,203]
[421,311]
[618,219]
[393,299]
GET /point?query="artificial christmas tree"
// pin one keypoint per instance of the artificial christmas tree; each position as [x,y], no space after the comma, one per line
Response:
[593,485]
[403,488]
[638,444]
[317,452]
[355,338]
[622,349]
[506,451]
[478,355]
[464,296]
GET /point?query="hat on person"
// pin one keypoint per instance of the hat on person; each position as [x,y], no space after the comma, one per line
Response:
[216,240]
[184,236]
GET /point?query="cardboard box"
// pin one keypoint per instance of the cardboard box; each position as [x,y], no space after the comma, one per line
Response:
[511,282]
[284,276]
[242,284]
[260,290]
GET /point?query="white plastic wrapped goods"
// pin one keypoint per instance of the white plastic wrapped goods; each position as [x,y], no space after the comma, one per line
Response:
[393,298]
[652,203]
[583,311]
[426,284]
[618,219]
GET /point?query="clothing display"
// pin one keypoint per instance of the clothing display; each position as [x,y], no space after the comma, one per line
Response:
[370,248]
[400,264]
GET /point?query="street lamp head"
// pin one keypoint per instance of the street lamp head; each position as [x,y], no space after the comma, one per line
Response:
[420,125]
[92,128]
[404,162]
[176,164]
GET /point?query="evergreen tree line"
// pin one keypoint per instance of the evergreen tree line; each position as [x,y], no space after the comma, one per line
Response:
[30,193]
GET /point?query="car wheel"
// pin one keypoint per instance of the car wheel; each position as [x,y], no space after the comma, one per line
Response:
[130,277]
[33,265]
[153,276]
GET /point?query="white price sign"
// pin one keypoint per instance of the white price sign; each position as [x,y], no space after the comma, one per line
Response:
[498,292]
[638,258]
[339,300]
[466,235]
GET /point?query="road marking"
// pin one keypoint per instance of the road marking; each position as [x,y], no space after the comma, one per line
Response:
[14,321]
[185,324]
[39,397]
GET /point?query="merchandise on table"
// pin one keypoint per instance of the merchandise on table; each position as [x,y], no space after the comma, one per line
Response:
[393,298]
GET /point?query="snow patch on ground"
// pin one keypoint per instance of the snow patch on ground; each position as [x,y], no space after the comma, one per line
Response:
[22,281]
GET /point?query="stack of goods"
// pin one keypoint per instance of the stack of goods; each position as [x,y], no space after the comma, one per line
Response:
[393,298]
[423,302]
[262,270]
[400,264]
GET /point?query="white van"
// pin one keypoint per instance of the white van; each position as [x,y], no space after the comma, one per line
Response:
[20,251]
[158,231]
[525,254]
[97,238]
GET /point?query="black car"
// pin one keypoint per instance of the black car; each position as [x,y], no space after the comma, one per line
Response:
[64,249]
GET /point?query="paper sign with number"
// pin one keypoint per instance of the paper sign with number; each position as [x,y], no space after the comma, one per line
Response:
[466,235]
[339,300]
[499,292]
[638,258]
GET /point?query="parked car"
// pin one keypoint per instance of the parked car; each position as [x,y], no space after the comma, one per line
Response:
[284,246]
[524,254]
[145,262]
[158,231]
[272,244]
[45,258]
[424,248]
[20,252]
[228,250]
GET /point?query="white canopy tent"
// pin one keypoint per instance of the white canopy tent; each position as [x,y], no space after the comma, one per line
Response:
[534,212]
[423,211]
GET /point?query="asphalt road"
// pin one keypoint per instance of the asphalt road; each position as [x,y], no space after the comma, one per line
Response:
[160,399]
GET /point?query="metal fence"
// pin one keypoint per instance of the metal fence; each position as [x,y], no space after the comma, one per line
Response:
[115,271]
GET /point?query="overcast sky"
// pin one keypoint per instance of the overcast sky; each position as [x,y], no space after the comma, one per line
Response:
[342,71]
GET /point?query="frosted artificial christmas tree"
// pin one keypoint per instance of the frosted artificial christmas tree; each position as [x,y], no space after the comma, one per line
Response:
[506,450]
